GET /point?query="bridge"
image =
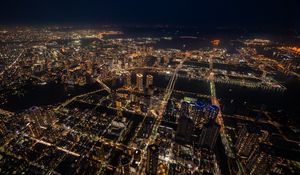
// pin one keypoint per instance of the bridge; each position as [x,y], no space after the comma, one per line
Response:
[103,85]
[13,63]
[159,117]
[228,150]
[75,98]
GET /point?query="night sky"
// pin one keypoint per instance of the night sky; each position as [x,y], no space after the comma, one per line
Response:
[215,13]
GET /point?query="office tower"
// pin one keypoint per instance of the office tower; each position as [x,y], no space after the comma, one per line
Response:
[212,112]
[149,81]
[197,113]
[185,129]
[209,135]
[248,137]
[152,159]
[260,161]
[184,110]
[124,164]
[139,82]
[128,79]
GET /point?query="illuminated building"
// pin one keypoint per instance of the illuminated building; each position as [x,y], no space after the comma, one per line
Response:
[248,137]
[118,104]
[162,169]
[201,112]
[34,130]
[128,79]
[209,135]
[184,108]
[260,161]
[197,112]
[212,112]
[185,129]
[215,42]
[166,60]
[152,159]
[139,82]
[149,81]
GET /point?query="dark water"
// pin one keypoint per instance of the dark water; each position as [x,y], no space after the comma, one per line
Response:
[40,95]
[283,105]
[230,95]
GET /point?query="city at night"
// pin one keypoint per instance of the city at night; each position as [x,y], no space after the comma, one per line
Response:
[150,87]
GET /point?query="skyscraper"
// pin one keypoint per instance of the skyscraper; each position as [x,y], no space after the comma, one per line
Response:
[209,135]
[128,79]
[149,81]
[184,110]
[197,112]
[152,159]
[248,137]
[212,112]
[139,82]
[185,129]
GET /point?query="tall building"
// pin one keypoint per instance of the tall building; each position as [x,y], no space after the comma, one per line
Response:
[149,81]
[139,82]
[185,129]
[248,137]
[184,110]
[128,79]
[152,159]
[209,135]
[212,112]
[260,161]
[197,113]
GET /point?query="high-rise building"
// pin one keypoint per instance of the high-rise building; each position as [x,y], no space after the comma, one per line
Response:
[149,81]
[152,159]
[128,79]
[248,137]
[260,161]
[139,82]
[209,135]
[212,112]
[197,113]
[184,110]
[185,129]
